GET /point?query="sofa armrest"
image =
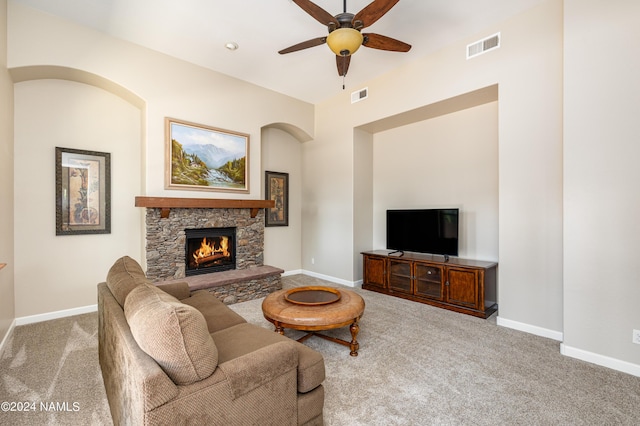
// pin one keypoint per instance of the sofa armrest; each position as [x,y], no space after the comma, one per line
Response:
[256,388]
[178,290]
[256,368]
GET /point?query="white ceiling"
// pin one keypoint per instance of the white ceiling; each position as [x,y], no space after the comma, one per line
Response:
[197,30]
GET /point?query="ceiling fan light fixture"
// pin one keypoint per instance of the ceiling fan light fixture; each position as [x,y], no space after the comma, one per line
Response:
[344,41]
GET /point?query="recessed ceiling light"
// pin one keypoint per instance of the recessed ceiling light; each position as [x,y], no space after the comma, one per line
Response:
[231,45]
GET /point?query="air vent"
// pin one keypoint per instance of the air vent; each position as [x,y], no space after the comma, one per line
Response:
[359,95]
[483,46]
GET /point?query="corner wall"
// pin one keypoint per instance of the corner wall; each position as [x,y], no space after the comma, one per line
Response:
[601,175]
[7,299]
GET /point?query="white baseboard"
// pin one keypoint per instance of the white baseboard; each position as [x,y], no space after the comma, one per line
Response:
[7,336]
[602,360]
[55,315]
[593,358]
[531,329]
[330,278]
[294,272]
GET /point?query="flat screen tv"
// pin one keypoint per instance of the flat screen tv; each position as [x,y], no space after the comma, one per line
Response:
[433,231]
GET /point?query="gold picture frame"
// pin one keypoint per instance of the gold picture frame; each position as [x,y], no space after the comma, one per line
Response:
[204,158]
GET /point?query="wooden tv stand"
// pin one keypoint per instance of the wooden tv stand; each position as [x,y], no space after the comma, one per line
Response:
[461,285]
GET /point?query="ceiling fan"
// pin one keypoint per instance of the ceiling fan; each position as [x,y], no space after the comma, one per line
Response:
[344,31]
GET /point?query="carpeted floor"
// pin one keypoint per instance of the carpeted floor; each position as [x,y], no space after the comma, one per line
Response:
[417,365]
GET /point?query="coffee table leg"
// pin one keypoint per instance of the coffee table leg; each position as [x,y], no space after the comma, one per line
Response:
[354,345]
[279,329]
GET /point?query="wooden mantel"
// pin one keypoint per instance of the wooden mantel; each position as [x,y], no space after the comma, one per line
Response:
[165,204]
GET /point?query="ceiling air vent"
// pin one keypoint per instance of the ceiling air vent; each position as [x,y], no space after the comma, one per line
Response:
[359,95]
[484,45]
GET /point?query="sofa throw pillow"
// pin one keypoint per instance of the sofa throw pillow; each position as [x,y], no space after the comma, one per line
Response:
[125,275]
[175,335]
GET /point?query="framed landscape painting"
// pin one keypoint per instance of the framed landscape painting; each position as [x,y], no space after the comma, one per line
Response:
[83,192]
[277,189]
[204,158]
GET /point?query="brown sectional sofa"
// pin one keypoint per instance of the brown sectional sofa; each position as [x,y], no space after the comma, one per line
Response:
[171,357]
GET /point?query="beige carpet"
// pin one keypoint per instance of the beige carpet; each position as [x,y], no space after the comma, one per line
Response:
[418,365]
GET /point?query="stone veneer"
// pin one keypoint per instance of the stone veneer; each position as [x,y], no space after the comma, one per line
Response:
[166,238]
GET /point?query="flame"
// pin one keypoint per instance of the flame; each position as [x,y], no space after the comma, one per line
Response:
[209,249]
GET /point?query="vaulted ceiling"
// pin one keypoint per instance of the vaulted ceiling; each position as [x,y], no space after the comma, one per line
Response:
[197,31]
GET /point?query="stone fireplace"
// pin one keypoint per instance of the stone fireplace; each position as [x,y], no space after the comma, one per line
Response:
[166,238]
[170,224]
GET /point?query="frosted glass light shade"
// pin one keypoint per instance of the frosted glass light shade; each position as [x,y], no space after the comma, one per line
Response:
[344,40]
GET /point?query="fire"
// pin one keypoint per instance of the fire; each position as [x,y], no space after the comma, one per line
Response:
[207,250]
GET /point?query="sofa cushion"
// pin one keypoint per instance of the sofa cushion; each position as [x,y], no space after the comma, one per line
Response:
[175,335]
[125,275]
[244,338]
[218,315]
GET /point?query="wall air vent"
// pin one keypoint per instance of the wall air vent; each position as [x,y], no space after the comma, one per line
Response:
[359,95]
[483,46]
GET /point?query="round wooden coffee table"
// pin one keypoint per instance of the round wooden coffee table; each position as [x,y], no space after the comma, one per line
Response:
[315,309]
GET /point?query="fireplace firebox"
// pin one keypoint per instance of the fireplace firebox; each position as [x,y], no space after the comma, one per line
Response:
[209,250]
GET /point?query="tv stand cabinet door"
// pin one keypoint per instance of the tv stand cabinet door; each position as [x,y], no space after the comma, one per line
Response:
[400,276]
[428,281]
[375,271]
[464,288]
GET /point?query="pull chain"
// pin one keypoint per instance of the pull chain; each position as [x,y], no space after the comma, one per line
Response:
[344,61]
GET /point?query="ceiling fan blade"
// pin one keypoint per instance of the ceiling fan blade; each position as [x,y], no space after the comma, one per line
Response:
[372,12]
[304,45]
[377,41]
[343,64]
[318,13]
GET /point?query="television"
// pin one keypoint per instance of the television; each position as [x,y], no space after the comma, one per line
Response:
[432,231]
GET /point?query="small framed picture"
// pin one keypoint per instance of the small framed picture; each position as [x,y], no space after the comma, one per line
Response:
[277,189]
[204,158]
[83,192]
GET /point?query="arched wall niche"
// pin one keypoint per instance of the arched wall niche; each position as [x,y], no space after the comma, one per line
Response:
[53,72]
[41,72]
[294,131]
[281,151]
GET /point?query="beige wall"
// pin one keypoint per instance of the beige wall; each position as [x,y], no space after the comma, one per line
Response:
[54,273]
[43,47]
[170,88]
[446,161]
[7,311]
[281,152]
[528,70]
[602,201]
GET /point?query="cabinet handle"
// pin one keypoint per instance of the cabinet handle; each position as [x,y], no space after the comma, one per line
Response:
[446,282]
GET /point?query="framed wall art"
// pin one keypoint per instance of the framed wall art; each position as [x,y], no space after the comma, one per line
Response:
[83,192]
[277,189]
[204,158]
